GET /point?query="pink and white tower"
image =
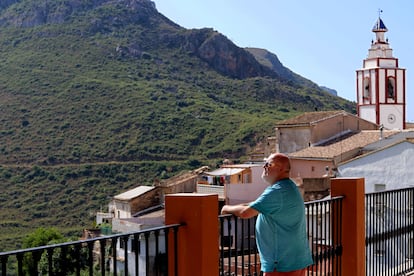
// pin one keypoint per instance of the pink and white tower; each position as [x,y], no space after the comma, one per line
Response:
[381,84]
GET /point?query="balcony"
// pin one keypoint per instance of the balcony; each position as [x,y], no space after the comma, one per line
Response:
[350,234]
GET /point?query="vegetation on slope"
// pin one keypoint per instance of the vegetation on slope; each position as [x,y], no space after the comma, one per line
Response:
[98,97]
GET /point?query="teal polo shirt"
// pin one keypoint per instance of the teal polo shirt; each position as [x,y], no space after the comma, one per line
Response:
[281,228]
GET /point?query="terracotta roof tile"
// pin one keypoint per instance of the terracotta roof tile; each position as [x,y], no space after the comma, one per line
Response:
[356,141]
[310,117]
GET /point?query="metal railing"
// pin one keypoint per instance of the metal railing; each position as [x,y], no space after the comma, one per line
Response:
[324,224]
[238,251]
[136,253]
[389,220]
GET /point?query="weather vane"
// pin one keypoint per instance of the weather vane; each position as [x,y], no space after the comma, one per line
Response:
[379,12]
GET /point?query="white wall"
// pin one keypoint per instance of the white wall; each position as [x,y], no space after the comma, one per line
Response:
[392,166]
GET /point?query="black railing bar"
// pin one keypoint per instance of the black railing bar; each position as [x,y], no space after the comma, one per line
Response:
[399,222]
[49,259]
[157,249]
[102,244]
[136,246]
[126,239]
[249,245]
[242,247]
[319,262]
[114,245]
[176,250]
[221,246]
[256,252]
[64,252]
[339,254]
[401,199]
[45,247]
[327,237]
[147,251]
[78,260]
[90,258]
[236,234]
[230,244]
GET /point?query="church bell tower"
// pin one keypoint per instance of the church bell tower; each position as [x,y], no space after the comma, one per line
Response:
[381,84]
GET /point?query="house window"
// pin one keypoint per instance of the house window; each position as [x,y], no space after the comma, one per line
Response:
[379,187]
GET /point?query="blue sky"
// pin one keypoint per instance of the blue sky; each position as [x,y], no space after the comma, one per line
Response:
[322,40]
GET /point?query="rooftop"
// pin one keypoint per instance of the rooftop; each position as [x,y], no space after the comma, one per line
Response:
[310,117]
[353,142]
[133,193]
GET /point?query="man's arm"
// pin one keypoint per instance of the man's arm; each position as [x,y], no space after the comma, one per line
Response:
[242,211]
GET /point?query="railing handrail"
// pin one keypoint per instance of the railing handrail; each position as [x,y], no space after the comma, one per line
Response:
[324,200]
[89,240]
[390,191]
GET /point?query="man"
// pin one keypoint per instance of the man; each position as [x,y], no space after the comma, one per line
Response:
[281,225]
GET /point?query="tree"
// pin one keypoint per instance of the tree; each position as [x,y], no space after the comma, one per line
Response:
[64,259]
[40,237]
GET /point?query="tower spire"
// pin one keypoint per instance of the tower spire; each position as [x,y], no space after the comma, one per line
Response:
[379,13]
[380,46]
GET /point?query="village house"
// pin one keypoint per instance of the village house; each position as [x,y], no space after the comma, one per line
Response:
[389,167]
[316,128]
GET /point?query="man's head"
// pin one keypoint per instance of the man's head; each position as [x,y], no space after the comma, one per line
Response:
[277,167]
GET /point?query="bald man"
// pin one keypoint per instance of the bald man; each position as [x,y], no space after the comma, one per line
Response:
[281,224]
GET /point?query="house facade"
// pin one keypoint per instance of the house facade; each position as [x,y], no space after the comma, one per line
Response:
[322,160]
[316,128]
[233,183]
[387,168]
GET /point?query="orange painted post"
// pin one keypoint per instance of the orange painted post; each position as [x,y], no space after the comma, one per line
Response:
[198,245]
[353,223]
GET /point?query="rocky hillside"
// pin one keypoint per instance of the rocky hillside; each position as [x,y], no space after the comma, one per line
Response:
[98,96]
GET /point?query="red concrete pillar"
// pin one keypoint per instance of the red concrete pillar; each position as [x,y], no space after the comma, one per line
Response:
[198,245]
[353,223]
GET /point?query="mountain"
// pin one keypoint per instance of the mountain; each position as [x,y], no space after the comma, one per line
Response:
[330,90]
[98,96]
[271,61]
